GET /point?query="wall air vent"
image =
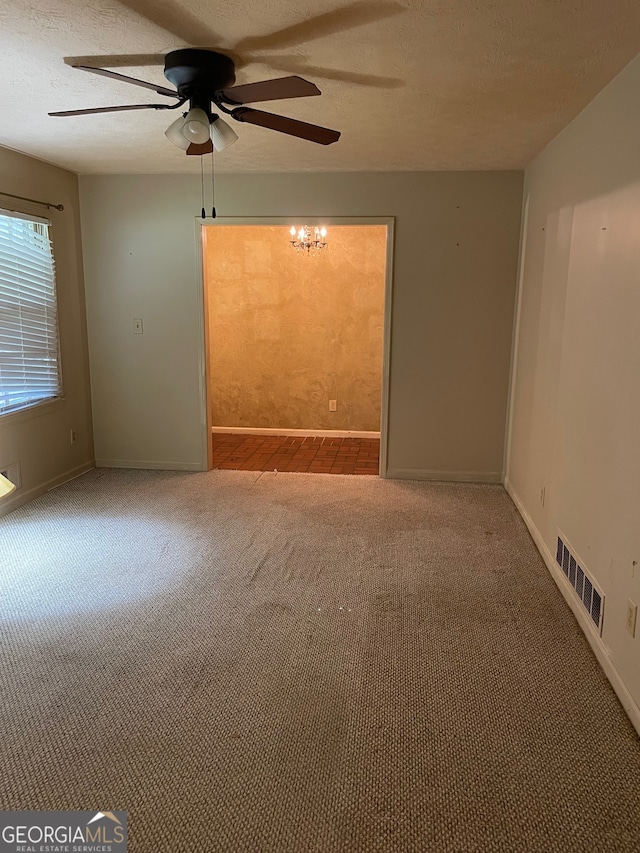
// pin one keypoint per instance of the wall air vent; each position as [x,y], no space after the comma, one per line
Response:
[582,583]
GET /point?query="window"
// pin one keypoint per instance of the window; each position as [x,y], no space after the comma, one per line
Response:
[29,357]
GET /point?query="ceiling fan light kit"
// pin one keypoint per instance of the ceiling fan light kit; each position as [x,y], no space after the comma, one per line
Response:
[205,79]
[193,129]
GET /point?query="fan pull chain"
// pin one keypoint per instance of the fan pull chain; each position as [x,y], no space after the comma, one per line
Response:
[204,215]
[213,190]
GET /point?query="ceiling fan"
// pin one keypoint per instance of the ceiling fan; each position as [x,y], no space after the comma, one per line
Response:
[205,80]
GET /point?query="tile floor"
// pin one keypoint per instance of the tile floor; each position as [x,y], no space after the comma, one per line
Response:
[244,452]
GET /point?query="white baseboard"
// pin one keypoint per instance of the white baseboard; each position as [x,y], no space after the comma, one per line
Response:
[298,433]
[19,498]
[597,646]
[148,464]
[447,476]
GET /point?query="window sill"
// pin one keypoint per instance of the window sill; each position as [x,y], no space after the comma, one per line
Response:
[35,411]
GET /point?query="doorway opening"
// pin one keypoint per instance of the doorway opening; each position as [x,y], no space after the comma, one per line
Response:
[297,345]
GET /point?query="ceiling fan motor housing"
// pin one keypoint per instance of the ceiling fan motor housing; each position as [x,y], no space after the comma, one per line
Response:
[192,70]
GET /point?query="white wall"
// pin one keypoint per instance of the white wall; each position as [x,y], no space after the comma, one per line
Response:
[454,284]
[39,439]
[575,426]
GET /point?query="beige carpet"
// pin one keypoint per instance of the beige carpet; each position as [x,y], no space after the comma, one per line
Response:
[287,662]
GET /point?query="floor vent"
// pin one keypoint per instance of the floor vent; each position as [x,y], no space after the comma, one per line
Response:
[591,597]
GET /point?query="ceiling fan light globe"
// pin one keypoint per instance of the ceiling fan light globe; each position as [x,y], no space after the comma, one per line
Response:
[174,134]
[222,134]
[196,126]
[195,132]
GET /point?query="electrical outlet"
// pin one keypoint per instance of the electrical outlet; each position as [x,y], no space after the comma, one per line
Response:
[72,436]
[333,405]
[12,473]
[137,325]
[632,615]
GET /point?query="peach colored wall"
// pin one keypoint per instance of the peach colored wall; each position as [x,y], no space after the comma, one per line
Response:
[289,331]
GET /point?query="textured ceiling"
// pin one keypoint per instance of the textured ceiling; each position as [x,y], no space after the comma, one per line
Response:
[412,84]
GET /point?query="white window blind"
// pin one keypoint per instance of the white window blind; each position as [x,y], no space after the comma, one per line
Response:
[29,358]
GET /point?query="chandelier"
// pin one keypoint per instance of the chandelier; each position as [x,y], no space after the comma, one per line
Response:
[307,238]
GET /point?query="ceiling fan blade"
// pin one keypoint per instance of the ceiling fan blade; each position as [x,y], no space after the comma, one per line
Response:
[269,90]
[93,110]
[140,60]
[301,129]
[160,90]
[198,150]
[116,60]
[356,14]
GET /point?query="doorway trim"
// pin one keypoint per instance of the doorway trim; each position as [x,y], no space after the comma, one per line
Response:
[203,319]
